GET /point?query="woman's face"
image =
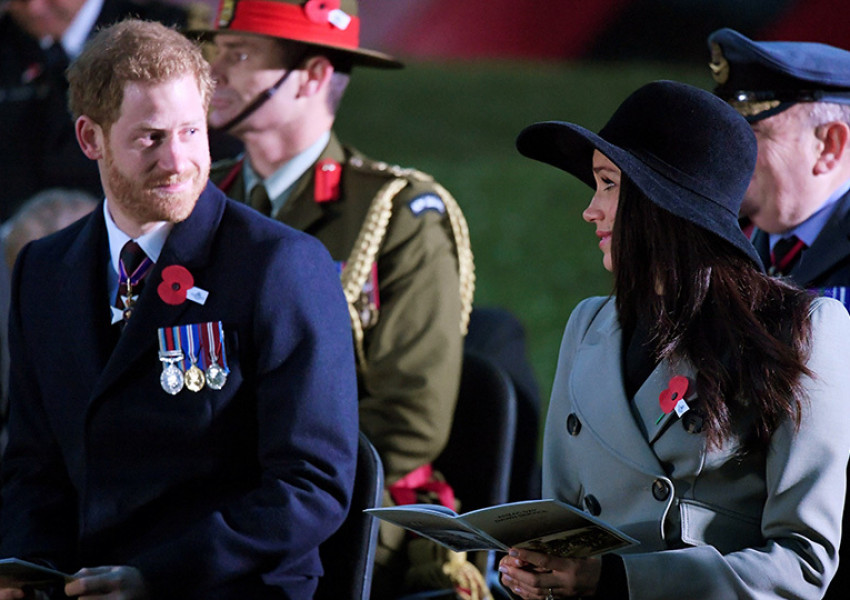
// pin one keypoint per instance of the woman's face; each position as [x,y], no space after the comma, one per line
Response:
[603,206]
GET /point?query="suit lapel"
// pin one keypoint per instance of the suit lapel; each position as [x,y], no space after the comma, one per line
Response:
[189,244]
[830,247]
[84,269]
[761,242]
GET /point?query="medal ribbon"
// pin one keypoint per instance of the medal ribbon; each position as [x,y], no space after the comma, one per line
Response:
[185,332]
[136,276]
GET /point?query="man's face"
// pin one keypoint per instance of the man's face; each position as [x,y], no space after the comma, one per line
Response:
[41,18]
[780,194]
[244,67]
[156,158]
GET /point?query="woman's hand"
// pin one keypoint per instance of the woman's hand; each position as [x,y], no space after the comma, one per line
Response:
[536,576]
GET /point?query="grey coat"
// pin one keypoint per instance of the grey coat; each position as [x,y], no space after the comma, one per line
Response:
[713,523]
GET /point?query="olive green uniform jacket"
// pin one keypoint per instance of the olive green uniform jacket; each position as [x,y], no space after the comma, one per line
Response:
[410,364]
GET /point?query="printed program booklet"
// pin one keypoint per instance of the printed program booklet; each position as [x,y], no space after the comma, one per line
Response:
[548,526]
[17,573]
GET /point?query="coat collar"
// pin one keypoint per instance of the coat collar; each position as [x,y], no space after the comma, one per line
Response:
[301,210]
[831,246]
[627,427]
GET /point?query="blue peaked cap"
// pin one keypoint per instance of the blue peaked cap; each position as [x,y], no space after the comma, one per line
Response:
[761,79]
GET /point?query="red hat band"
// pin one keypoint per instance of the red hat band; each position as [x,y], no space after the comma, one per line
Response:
[317,22]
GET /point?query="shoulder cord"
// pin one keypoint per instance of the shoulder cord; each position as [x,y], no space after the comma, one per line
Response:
[359,264]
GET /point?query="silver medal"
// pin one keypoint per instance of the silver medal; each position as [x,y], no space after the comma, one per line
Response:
[216,376]
[171,378]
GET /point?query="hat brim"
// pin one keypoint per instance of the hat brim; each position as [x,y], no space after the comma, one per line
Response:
[570,147]
[358,56]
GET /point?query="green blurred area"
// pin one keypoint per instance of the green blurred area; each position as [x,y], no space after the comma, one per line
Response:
[533,253]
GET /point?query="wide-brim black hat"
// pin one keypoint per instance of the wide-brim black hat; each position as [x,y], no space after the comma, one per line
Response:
[687,150]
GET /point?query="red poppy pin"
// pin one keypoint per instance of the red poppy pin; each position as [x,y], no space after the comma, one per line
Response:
[318,11]
[176,282]
[327,11]
[673,398]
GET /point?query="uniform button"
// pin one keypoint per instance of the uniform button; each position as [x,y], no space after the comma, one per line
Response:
[660,489]
[573,424]
[591,504]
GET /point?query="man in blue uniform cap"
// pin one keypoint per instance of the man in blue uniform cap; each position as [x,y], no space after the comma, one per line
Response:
[796,96]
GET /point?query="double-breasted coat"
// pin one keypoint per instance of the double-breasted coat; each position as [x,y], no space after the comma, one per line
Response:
[211,494]
[711,522]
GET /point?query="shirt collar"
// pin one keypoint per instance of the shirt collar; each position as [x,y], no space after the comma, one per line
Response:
[78,31]
[151,242]
[809,229]
[279,184]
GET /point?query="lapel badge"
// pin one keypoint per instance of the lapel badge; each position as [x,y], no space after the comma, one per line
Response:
[178,285]
[673,397]
[327,178]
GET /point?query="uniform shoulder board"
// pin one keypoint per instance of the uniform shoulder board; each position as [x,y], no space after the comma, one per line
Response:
[383,168]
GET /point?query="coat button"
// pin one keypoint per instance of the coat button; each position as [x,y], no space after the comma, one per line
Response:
[573,424]
[660,489]
[591,504]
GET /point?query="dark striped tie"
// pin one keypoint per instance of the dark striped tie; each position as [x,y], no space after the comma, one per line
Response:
[785,254]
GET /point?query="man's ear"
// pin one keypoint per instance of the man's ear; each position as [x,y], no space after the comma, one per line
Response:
[834,138]
[317,73]
[90,137]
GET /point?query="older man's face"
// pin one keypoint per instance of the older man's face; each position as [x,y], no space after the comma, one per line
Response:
[41,18]
[780,194]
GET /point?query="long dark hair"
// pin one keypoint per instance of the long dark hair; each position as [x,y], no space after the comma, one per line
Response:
[747,334]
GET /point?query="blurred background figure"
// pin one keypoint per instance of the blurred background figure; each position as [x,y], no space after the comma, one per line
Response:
[38,39]
[41,215]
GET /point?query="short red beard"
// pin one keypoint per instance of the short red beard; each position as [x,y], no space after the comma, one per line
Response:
[144,201]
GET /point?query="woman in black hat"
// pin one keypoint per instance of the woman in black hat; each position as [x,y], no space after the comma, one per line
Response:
[702,408]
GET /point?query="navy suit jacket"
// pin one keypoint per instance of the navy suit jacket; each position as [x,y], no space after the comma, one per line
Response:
[214,494]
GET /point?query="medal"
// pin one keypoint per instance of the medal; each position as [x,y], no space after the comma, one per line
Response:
[129,284]
[171,378]
[216,374]
[193,377]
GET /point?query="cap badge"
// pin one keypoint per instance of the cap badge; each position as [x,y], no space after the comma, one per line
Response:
[327,11]
[719,65]
[225,13]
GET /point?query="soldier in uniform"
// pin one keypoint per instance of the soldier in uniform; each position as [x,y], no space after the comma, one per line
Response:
[399,238]
[796,96]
